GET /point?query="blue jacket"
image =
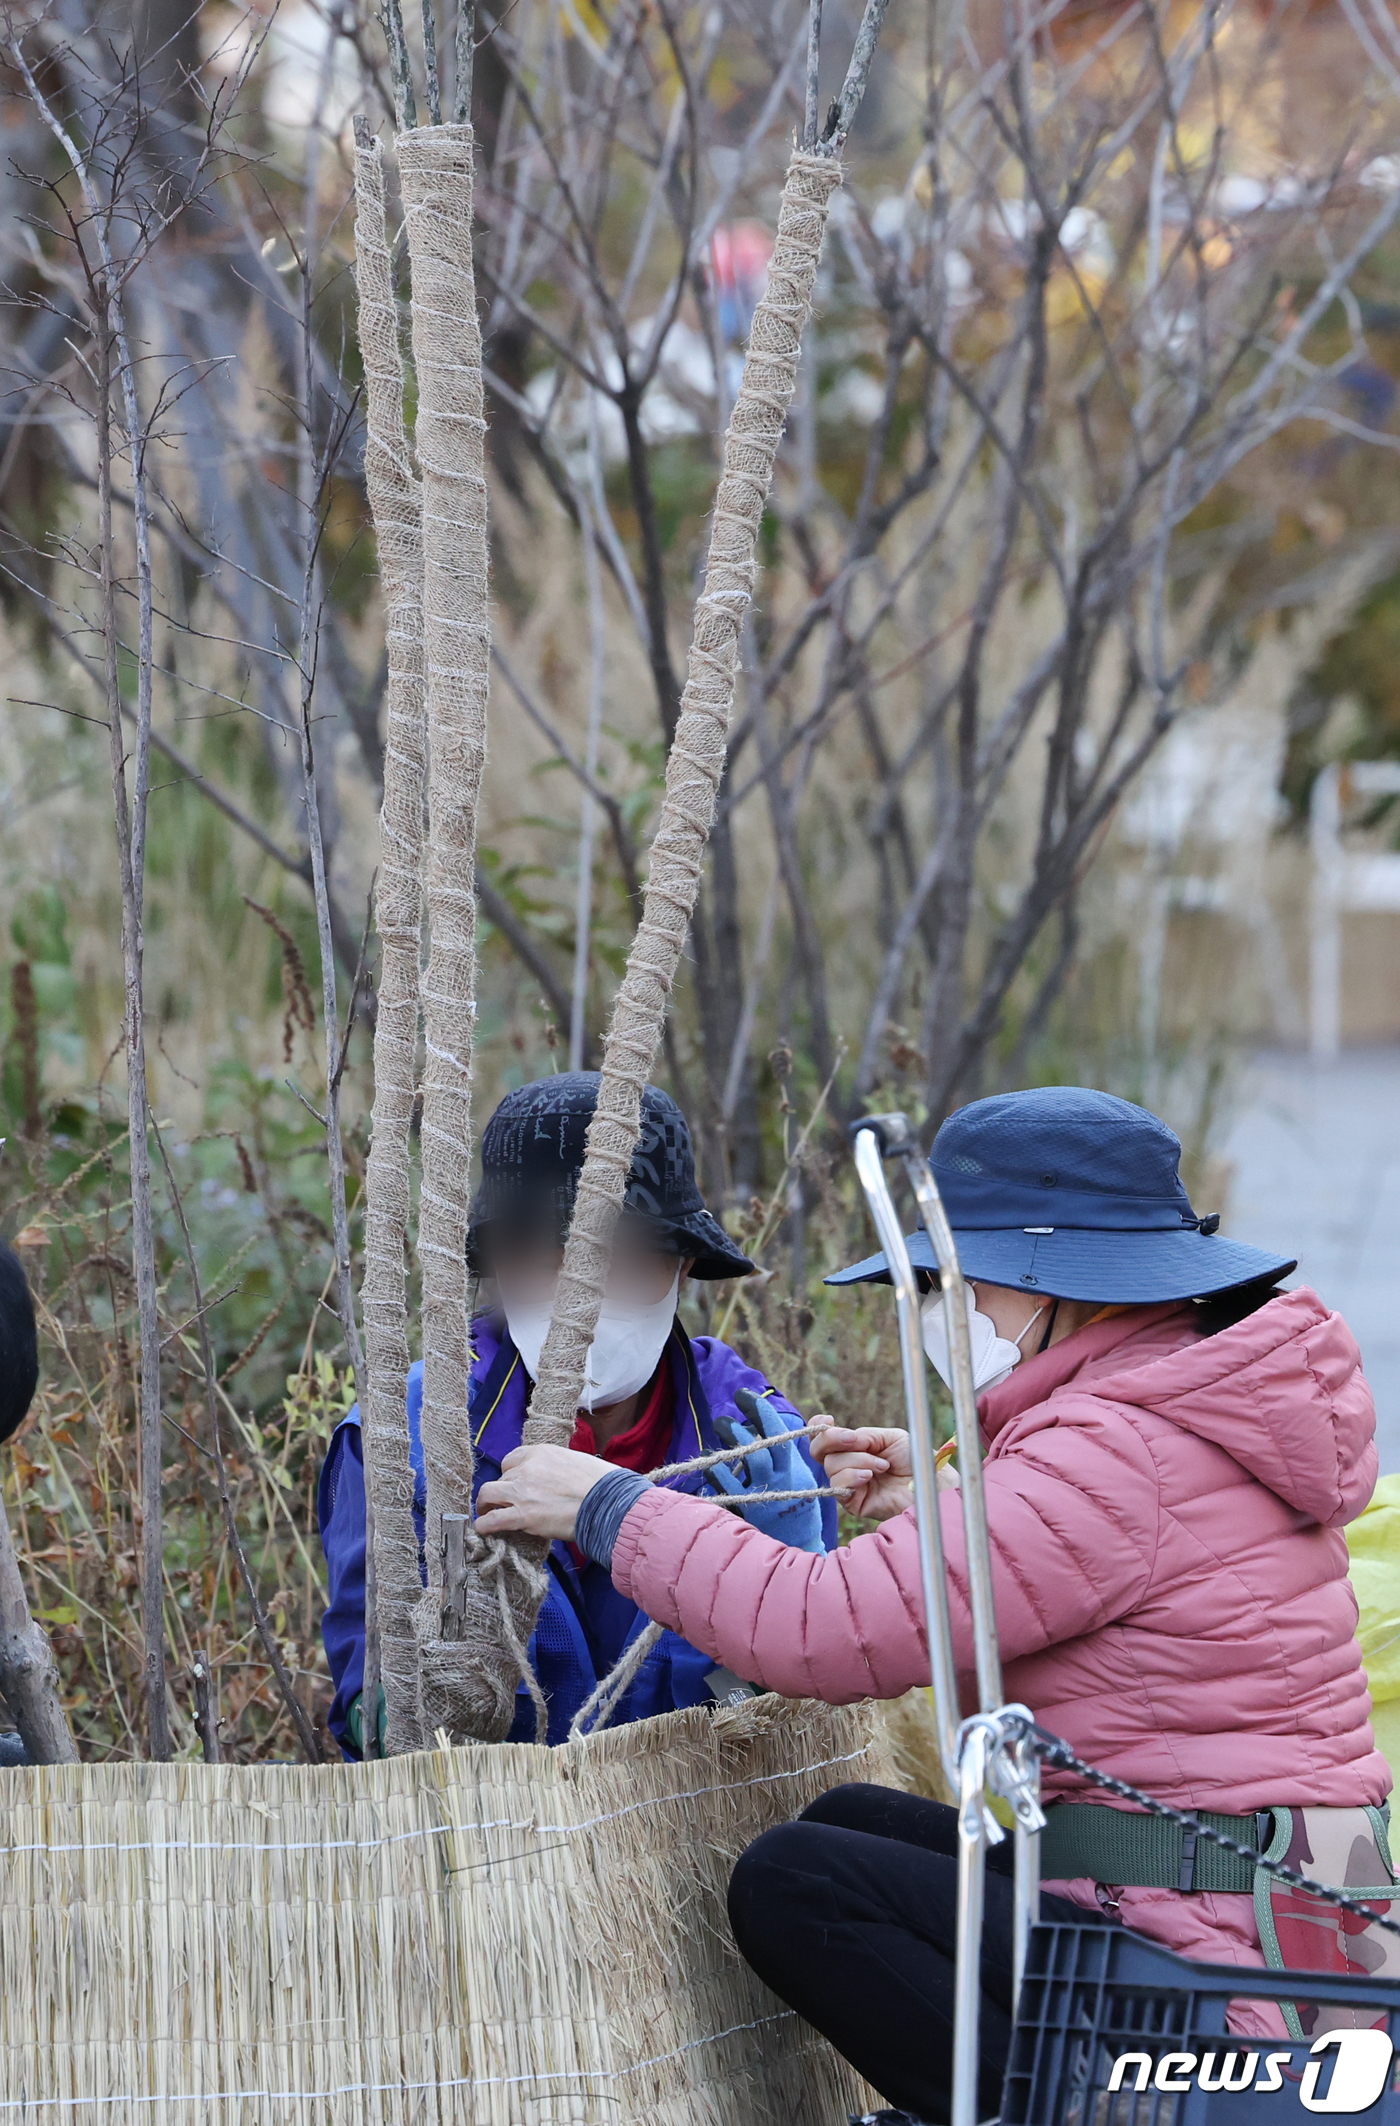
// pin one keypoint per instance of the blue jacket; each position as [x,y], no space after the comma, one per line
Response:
[585,1623]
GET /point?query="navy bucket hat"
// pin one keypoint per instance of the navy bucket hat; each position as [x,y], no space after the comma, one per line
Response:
[1077,1195]
[532,1155]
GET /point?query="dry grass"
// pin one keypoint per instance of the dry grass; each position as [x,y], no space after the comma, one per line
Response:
[71,1477]
[911,1737]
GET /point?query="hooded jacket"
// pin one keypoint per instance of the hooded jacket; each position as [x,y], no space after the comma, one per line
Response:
[584,1623]
[1166,1514]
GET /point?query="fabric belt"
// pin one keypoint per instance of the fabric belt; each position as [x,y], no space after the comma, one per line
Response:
[1130,1848]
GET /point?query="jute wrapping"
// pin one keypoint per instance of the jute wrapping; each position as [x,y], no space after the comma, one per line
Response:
[469,1694]
[508,1936]
[395,505]
[693,773]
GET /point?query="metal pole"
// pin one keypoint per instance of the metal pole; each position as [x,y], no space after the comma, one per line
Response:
[869,1136]
[968,1432]
[991,1745]
[1026,1890]
[972,1884]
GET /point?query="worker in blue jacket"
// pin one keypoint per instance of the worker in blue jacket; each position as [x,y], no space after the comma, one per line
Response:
[653,1396]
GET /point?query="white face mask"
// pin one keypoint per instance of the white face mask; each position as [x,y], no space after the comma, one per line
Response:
[630,1339]
[993,1356]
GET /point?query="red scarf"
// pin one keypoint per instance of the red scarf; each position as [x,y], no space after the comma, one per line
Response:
[646,1443]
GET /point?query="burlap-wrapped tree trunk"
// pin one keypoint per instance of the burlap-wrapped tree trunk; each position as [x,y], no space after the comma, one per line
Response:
[395,502]
[693,774]
[468,1682]
[435,165]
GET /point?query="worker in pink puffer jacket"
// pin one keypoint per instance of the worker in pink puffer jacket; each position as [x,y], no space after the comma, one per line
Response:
[1172,1450]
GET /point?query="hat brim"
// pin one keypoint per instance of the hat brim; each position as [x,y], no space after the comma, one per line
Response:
[700,1235]
[1112,1269]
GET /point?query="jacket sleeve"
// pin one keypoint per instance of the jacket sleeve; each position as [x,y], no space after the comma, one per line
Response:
[1073,1518]
[340,1509]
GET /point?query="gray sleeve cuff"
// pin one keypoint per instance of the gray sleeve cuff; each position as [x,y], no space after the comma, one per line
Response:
[605,1509]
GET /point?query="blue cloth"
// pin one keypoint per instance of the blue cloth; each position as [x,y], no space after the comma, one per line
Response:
[1067,1193]
[794,1521]
[585,1623]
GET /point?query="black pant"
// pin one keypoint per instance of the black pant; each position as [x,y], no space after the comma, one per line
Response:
[850,1915]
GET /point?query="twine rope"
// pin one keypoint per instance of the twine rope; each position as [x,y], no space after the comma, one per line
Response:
[603,1700]
[575,2079]
[394,505]
[435,1830]
[497,1566]
[741,1453]
[816,1491]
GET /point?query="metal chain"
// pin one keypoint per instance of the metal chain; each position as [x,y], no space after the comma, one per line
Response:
[1051,1750]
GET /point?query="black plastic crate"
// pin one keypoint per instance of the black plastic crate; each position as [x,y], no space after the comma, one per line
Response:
[1094,1994]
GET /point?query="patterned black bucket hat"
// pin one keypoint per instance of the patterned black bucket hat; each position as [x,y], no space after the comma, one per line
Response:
[532,1155]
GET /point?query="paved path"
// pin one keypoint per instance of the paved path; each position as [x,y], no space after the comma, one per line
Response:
[1316,1154]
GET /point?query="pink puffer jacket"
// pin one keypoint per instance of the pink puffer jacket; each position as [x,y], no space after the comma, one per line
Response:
[1166,1513]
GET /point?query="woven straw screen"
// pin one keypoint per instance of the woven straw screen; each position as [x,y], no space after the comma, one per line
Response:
[506,1936]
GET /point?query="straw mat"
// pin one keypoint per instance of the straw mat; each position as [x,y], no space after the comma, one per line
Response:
[502,1935]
